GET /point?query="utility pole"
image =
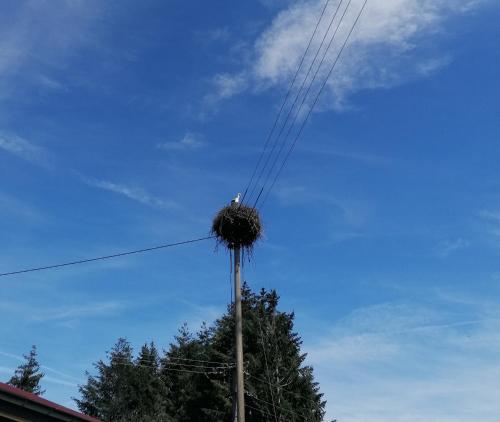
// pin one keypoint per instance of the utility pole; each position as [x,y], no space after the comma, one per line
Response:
[237,226]
[240,383]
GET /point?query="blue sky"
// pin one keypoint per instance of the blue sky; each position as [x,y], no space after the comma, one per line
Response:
[128,124]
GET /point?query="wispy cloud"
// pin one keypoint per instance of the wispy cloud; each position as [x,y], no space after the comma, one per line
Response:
[45,369]
[59,381]
[23,148]
[133,192]
[6,370]
[63,313]
[354,212]
[77,311]
[364,158]
[37,37]
[411,362]
[189,142]
[198,314]
[490,216]
[448,247]
[226,85]
[16,208]
[491,220]
[386,49]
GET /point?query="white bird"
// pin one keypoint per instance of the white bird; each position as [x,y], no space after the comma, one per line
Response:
[237,199]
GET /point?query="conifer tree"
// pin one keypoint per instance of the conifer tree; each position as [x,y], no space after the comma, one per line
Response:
[193,380]
[28,375]
[108,395]
[150,392]
[278,384]
[197,382]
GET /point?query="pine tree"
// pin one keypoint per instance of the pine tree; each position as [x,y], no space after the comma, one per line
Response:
[197,383]
[126,389]
[150,392]
[108,394]
[193,380]
[27,376]
[278,384]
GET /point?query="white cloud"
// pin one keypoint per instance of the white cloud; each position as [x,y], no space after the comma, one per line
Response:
[447,247]
[18,209]
[364,158]
[225,86]
[191,141]
[6,370]
[38,37]
[77,311]
[198,314]
[62,313]
[229,85]
[491,219]
[412,363]
[355,213]
[135,193]
[46,378]
[492,216]
[23,148]
[384,49]
[59,381]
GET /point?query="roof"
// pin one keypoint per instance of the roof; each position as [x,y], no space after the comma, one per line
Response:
[43,404]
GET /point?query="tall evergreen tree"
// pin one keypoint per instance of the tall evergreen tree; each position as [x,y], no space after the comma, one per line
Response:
[150,392]
[126,389]
[197,382]
[193,380]
[108,395]
[278,384]
[28,375]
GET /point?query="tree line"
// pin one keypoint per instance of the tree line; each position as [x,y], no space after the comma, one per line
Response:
[193,380]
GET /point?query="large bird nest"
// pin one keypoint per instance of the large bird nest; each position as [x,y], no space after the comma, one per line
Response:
[237,225]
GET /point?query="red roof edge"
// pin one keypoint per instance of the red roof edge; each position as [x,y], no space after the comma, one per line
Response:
[17,392]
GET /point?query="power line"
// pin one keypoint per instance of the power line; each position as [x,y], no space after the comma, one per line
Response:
[332,68]
[100,258]
[291,110]
[267,369]
[279,407]
[163,368]
[284,388]
[198,366]
[199,360]
[308,89]
[257,409]
[283,104]
[205,363]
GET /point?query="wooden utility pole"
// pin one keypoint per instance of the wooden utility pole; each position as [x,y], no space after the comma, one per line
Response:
[240,383]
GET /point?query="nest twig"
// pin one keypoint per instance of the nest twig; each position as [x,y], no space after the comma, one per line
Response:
[237,224]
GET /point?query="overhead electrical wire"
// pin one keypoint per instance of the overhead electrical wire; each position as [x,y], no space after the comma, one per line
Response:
[332,68]
[206,363]
[258,410]
[285,389]
[284,102]
[267,370]
[254,396]
[199,360]
[163,368]
[298,110]
[297,96]
[100,258]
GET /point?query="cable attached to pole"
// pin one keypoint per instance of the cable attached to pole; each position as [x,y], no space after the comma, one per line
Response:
[332,68]
[270,135]
[100,258]
[291,111]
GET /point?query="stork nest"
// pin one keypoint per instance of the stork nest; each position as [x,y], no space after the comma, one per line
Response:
[236,225]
